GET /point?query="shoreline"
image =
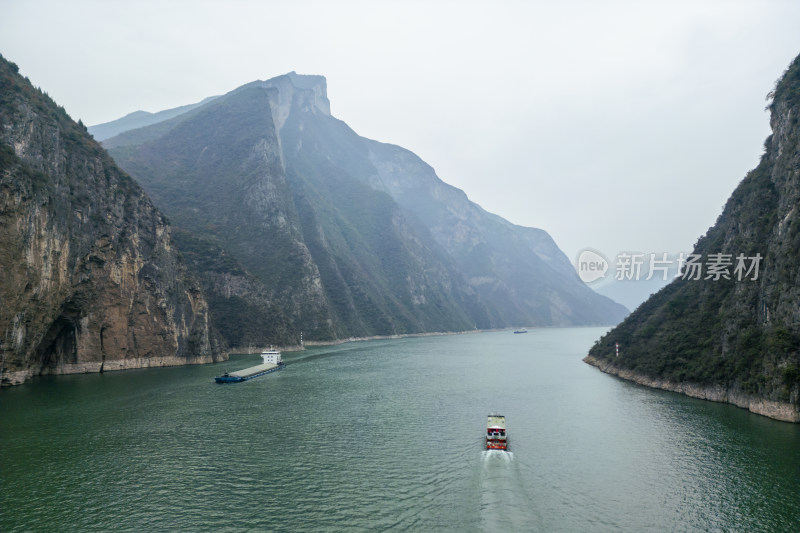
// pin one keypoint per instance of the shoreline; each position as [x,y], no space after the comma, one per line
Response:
[19,377]
[336,342]
[298,348]
[784,412]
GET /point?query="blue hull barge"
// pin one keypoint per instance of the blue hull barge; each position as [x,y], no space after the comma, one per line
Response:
[272,362]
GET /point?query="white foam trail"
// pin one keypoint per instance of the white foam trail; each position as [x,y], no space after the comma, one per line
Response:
[504,505]
[497,455]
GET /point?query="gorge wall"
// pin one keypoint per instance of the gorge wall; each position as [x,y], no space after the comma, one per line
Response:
[336,235]
[732,334]
[91,280]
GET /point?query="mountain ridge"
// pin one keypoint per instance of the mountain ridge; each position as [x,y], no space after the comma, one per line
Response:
[318,150]
[140,119]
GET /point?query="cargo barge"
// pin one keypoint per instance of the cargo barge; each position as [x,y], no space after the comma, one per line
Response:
[271,362]
[496,438]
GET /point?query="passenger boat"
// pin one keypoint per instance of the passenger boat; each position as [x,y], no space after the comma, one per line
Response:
[496,438]
[271,361]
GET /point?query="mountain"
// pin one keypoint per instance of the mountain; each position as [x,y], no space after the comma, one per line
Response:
[140,119]
[91,278]
[333,256]
[519,272]
[346,236]
[733,334]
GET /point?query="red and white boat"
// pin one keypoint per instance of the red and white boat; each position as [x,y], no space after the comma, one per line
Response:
[496,438]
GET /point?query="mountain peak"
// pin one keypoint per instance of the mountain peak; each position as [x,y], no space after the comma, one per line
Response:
[307,81]
[306,91]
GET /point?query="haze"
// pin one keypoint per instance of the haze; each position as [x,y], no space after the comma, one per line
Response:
[620,126]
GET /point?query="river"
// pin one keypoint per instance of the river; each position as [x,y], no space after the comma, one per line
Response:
[387,435]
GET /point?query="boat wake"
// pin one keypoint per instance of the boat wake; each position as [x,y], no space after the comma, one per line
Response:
[504,503]
[498,455]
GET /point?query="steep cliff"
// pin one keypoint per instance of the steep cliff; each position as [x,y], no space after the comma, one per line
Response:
[347,236]
[519,272]
[519,275]
[90,278]
[319,252]
[730,331]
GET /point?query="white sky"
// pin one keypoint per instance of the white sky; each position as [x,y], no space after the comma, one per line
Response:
[611,125]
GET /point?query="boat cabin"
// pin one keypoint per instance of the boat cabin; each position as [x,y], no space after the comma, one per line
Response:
[271,357]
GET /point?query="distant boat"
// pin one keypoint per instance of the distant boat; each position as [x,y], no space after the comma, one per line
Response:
[523,330]
[496,438]
[271,362]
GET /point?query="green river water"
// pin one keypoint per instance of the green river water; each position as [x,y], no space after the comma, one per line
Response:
[388,436]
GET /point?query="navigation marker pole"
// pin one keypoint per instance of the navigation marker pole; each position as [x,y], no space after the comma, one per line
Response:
[617,346]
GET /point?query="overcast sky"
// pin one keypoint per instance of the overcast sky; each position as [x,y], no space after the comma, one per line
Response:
[611,125]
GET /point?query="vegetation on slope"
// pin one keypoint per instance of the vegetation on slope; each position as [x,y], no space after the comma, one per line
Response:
[743,335]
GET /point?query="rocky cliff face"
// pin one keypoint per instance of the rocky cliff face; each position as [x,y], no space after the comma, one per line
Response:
[311,249]
[346,236]
[519,272]
[514,275]
[732,334]
[91,280]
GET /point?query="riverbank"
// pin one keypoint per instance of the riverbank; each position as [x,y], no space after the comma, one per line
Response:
[336,342]
[785,412]
[18,377]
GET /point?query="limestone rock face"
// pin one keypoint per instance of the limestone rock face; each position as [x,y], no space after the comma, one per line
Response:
[90,278]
